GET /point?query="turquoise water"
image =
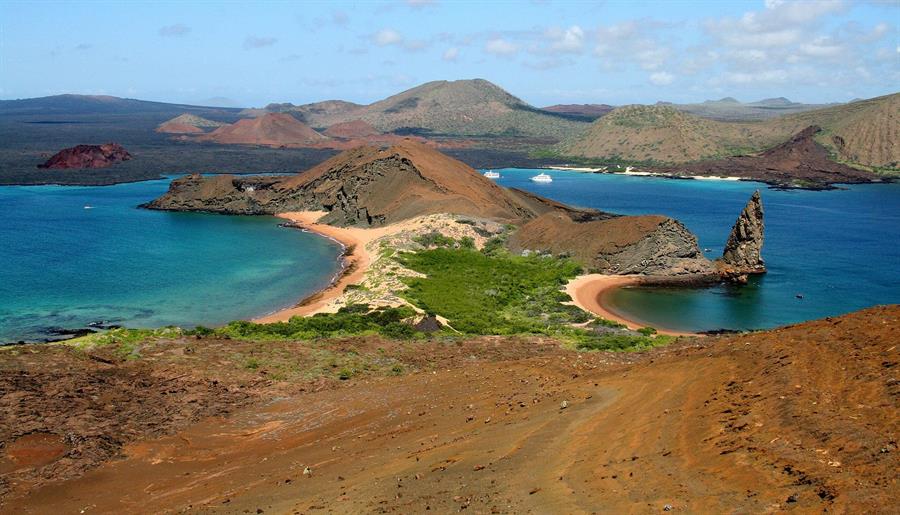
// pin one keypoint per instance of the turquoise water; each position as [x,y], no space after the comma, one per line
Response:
[839,249]
[65,266]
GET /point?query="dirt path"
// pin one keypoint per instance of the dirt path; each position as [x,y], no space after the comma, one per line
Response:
[804,417]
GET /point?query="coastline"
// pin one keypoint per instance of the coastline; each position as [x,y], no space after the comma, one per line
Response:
[355,257]
[589,291]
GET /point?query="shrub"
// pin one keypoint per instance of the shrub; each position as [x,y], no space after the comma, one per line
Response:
[608,323]
[434,239]
[647,331]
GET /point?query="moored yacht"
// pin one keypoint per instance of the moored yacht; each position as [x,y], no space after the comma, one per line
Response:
[490,174]
[542,177]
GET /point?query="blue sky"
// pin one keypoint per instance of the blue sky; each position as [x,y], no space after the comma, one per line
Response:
[545,52]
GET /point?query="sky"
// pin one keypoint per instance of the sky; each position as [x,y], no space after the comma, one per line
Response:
[545,52]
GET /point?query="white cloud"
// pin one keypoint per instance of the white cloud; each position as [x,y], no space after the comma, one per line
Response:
[570,40]
[662,78]
[822,47]
[451,54]
[500,46]
[387,37]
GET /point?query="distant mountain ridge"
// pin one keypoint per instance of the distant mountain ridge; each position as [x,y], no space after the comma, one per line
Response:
[444,108]
[70,104]
[587,111]
[730,109]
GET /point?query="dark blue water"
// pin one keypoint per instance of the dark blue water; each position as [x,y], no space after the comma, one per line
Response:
[62,265]
[839,249]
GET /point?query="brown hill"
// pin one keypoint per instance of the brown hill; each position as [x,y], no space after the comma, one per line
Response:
[187,124]
[866,132]
[88,156]
[448,108]
[355,129]
[648,245]
[272,130]
[798,419]
[661,133]
[362,186]
[800,161]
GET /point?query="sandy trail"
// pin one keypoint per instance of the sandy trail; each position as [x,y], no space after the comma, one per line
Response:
[588,292]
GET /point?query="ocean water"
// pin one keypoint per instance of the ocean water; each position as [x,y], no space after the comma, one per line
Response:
[65,266]
[839,249]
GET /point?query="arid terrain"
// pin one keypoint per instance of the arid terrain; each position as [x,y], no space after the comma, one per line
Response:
[800,418]
[862,132]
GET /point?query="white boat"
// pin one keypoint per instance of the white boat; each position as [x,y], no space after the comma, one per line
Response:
[87,206]
[490,174]
[542,177]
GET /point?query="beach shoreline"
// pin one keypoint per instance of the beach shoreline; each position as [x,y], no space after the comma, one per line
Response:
[588,292]
[355,261]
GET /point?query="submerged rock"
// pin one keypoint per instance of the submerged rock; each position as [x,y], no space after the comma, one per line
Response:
[742,254]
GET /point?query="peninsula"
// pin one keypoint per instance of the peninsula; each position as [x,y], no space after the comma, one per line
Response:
[379,200]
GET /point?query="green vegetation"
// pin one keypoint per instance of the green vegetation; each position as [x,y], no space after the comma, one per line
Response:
[352,320]
[484,294]
[622,342]
[647,331]
[434,239]
[126,342]
[494,292]
[602,322]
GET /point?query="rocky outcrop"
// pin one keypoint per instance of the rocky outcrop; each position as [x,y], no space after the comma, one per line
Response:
[365,186]
[88,156]
[646,245]
[742,254]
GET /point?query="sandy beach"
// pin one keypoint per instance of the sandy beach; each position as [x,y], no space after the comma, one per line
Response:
[356,260]
[587,292]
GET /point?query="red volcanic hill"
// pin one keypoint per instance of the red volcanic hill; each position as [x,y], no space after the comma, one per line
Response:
[187,124]
[273,130]
[88,156]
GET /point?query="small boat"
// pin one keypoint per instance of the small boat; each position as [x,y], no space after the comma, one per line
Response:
[87,206]
[490,174]
[542,177]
